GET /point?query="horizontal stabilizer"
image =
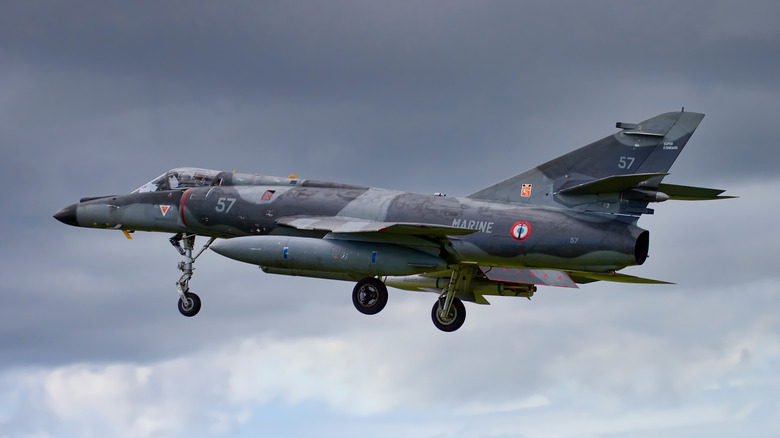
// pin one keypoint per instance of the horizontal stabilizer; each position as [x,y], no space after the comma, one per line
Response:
[587,277]
[688,193]
[545,277]
[337,224]
[610,184]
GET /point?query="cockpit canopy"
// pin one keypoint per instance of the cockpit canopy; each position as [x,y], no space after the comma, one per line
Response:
[181,177]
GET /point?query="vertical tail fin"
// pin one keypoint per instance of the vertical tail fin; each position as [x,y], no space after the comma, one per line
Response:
[618,174]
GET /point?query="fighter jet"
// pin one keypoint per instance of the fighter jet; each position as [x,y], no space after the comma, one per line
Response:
[569,221]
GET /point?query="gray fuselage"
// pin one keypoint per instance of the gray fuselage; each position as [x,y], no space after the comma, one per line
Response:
[508,234]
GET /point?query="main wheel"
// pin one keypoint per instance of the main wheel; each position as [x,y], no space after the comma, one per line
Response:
[190,306]
[453,320]
[369,296]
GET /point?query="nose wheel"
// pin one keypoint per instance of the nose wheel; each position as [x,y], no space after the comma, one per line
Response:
[189,303]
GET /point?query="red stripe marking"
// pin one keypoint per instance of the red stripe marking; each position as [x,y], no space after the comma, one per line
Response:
[181,208]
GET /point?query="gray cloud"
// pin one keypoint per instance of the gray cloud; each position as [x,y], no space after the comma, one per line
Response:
[449,97]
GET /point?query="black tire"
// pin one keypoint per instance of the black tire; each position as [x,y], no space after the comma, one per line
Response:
[369,296]
[454,320]
[192,306]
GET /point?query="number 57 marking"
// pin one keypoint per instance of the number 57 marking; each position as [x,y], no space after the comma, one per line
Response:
[625,162]
[222,207]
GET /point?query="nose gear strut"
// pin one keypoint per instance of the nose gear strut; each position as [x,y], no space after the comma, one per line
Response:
[189,303]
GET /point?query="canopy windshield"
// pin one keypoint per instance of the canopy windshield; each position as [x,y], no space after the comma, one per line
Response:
[180,177]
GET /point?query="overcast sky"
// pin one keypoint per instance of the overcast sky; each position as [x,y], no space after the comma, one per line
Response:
[100,97]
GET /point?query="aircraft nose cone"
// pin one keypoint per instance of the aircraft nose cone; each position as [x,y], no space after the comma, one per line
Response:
[67,215]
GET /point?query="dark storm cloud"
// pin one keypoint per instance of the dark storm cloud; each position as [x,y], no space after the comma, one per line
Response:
[440,95]
[99,98]
[346,49]
[398,53]
[386,80]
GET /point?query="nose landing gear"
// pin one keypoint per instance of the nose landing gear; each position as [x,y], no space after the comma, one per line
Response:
[189,303]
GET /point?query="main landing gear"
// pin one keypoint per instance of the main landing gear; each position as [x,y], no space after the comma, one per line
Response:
[369,296]
[448,314]
[189,303]
[448,320]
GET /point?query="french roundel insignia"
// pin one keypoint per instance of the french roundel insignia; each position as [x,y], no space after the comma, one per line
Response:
[521,230]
